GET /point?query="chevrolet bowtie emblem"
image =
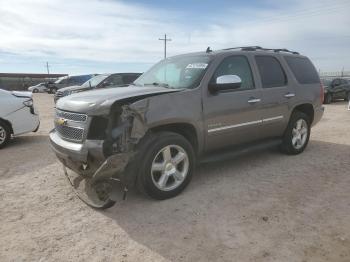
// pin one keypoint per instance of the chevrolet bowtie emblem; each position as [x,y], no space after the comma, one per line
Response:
[61,122]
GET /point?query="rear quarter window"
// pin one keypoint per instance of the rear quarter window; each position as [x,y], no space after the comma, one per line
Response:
[303,70]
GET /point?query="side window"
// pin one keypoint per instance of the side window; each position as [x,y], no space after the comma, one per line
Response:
[114,80]
[128,79]
[236,65]
[303,70]
[271,72]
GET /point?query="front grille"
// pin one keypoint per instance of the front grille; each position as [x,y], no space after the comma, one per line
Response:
[71,116]
[69,132]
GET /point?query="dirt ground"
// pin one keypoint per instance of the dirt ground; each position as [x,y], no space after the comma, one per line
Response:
[258,207]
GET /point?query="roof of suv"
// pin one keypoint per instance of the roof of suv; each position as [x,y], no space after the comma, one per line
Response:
[255,49]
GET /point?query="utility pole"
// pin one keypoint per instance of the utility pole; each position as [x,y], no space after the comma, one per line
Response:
[47,67]
[165,39]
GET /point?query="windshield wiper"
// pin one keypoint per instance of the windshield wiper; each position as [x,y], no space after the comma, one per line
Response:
[158,84]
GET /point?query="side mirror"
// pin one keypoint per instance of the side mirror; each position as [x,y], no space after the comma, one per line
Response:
[225,82]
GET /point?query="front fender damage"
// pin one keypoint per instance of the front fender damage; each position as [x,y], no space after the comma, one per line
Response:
[109,181]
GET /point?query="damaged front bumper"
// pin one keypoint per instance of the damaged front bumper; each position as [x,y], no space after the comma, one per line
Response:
[97,180]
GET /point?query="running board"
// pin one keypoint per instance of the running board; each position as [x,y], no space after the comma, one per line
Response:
[233,152]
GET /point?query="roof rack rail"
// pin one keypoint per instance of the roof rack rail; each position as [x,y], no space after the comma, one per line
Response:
[254,48]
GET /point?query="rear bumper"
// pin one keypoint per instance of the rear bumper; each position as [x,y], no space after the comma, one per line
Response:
[318,113]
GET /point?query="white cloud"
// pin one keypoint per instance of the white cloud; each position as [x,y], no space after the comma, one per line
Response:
[114,31]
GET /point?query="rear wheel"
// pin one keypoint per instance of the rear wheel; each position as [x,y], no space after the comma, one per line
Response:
[297,134]
[166,165]
[5,134]
[328,99]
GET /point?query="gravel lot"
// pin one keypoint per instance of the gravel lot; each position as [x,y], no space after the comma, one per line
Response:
[258,207]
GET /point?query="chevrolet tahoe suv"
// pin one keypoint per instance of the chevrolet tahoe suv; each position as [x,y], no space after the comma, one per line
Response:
[184,110]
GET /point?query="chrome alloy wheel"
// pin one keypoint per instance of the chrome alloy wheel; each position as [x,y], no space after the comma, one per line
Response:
[170,167]
[299,133]
[2,135]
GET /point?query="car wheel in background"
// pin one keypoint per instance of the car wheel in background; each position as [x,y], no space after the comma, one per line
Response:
[5,134]
[166,165]
[347,97]
[297,134]
[328,99]
[52,90]
[35,90]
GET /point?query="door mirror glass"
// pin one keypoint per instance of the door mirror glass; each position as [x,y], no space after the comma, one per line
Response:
[225,82]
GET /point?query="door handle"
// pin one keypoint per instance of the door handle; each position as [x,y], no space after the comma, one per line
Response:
[289,95]
[254,100]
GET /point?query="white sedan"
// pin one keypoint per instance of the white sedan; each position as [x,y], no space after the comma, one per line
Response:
[17,115]
[39,88]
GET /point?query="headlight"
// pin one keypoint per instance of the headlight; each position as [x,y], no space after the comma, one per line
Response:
[28,103]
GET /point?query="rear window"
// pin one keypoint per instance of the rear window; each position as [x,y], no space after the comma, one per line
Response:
[303,70]
[271,72]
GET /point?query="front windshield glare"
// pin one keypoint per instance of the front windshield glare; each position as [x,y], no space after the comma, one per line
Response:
[94,81]
[176,72]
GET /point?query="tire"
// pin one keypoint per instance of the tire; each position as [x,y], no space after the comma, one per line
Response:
[53,90]
[296,136]
[5,134]
[169,176]
[328,99]
[35,91]
[347,97]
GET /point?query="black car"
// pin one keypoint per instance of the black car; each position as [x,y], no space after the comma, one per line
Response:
[99,81]
[338,88]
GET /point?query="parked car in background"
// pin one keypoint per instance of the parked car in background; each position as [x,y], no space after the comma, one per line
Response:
[39,88]
[99,81]
[188,108]
[17,115]
[68,81]
[338,88]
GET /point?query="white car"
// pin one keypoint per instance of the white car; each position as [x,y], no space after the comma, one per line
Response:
[39,88]
[17,115]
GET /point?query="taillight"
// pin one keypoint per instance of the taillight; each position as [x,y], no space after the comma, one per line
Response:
[322,93]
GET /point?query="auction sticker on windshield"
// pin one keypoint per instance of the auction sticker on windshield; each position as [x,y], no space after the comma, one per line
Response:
[197,66]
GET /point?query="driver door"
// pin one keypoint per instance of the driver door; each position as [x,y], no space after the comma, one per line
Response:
[233,116]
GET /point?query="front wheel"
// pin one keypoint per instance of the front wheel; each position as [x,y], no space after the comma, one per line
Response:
[5,134]
[167,164]
[52,90]
[35,91]
[297,134]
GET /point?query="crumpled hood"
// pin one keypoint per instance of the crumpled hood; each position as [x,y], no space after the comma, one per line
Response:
[102,99]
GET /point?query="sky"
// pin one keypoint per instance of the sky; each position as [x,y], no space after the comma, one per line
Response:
[105,36]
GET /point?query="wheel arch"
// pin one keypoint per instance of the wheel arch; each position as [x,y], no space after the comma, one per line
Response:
[188,131]
[8,123]
[307,109]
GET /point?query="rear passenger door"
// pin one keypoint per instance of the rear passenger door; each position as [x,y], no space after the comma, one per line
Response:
[277,95]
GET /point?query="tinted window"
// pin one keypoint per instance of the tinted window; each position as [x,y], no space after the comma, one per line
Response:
[236,65]
[114,80]
[129,78]
[271,71]
[303,70]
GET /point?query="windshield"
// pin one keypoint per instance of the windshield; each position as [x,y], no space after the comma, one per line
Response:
[93,82]
[177,72]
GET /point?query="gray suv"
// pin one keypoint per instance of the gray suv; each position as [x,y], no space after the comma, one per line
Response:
[185,109]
